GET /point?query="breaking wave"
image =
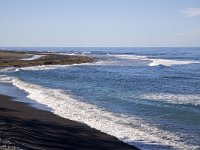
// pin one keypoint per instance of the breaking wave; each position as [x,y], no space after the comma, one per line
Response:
[155,61]
[193,99]
[132,130]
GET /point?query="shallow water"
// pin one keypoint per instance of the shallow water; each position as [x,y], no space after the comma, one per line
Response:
[151,106]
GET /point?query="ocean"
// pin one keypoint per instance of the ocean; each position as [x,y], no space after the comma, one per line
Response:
[147,97]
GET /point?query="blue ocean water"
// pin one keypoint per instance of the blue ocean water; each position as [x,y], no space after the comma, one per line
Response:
[148,97]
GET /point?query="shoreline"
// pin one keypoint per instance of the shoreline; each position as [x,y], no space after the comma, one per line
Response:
[29,59]
[25,127]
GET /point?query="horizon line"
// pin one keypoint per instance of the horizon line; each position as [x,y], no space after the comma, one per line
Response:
[101,46]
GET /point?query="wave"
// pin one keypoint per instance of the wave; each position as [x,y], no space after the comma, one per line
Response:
[155,61]
[42,67]
[132,130]
[5,79]
[35,57]
[86,53]
[51,67]
[8,69]
[166,62]
[69,54]
[192,99]
[130,57]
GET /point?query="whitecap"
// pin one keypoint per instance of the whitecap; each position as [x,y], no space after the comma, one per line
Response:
[155,61]
[193,99]
[166,62]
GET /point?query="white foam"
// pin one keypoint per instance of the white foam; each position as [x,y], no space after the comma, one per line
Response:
[130,57]
[156,62]
[5,79]
[42,67]
[129,129]
[85,53]
[166,62]
[69,54]
[105,63]
[193,99]
[8,69]
[35,57]
[51,67]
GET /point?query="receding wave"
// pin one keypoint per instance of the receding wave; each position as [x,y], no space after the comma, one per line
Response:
[132,130]
[155,61]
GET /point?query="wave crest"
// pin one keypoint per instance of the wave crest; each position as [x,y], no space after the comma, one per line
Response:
[193,99]
[155,61]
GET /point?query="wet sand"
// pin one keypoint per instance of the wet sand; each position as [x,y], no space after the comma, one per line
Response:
[24,127]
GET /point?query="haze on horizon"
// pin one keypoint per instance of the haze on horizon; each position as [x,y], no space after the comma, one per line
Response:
[99,23]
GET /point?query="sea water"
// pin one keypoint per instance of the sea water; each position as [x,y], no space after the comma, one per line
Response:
[147,97]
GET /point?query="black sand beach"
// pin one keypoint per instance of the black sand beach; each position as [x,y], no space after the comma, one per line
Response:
[24,127]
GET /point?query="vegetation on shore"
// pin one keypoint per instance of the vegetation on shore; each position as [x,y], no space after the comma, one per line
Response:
[15,59]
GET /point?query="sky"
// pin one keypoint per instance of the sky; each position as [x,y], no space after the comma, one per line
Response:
[100,23]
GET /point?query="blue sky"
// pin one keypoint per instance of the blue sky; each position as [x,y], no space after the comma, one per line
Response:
[99,23]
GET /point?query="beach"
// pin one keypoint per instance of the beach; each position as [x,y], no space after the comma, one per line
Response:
[100,75]
[24,127]
[112,99]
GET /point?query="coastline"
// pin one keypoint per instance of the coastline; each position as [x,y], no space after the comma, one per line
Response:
[28,59]
[25,127]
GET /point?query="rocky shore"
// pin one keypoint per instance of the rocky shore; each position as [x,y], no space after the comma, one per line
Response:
[23,59]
